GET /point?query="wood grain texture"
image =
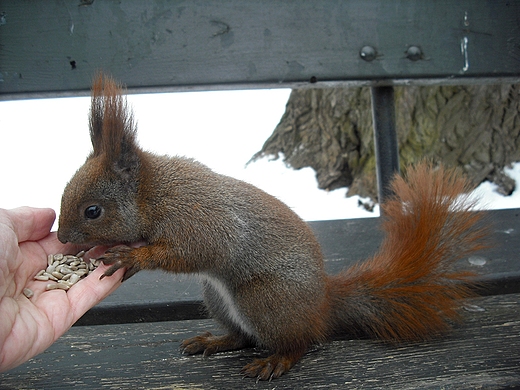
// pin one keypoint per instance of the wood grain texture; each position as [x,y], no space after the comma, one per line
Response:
[481,353]
[54,48]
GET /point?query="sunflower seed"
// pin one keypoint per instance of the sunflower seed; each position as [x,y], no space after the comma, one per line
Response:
[67,277]
[65,270]
[81,272]
[73,278]
[50,276]
[55,286]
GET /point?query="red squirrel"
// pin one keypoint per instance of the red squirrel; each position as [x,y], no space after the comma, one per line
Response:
[260,264]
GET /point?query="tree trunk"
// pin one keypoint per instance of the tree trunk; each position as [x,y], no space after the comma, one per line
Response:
[330,130]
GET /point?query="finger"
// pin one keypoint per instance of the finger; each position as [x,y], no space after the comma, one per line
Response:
[52,245]
[96,252]
[28,223]
[91,290]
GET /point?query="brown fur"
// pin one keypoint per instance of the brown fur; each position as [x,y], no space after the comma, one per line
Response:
[260,264]
[428,225]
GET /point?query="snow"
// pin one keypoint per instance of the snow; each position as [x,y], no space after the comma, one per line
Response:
[43,142]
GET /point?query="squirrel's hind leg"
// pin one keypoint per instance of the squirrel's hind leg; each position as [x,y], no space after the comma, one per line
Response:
[207,344]
[273,366]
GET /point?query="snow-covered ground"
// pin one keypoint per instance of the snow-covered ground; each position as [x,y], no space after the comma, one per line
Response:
[43,142]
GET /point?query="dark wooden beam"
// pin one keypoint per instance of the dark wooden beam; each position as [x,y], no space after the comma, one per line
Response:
[385,139]
[54,48]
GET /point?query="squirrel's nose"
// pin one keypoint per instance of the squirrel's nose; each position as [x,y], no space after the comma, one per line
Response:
[62,237]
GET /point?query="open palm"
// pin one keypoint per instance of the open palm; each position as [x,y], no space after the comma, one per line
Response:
[29,326]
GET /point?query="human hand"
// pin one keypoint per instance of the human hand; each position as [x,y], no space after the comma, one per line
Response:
[29,326]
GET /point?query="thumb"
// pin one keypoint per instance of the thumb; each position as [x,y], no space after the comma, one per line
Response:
[28,223]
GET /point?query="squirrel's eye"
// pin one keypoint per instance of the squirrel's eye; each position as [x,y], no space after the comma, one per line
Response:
[93,212]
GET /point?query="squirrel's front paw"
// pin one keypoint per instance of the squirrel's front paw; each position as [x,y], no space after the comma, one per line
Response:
[120,256]
[209,344]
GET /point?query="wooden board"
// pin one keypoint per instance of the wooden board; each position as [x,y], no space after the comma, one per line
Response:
[54,48]
[481,353]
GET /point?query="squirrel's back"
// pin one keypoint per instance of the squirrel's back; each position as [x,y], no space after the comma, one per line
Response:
[187,198]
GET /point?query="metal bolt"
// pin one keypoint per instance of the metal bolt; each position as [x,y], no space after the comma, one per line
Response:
[368,53]
[414,53]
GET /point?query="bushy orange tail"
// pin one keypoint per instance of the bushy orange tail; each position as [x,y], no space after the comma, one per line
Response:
[407,291]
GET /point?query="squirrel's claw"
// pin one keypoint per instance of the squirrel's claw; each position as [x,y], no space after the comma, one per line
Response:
[207,344]
[131,272]
[119,257]
[269,368]
[115,254]
[196,344]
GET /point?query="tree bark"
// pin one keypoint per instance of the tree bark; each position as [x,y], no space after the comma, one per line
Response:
[474,127]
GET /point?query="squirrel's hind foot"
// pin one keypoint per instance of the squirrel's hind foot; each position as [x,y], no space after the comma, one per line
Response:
[271,367]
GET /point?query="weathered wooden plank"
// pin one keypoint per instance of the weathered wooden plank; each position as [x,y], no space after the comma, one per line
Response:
[480,353]
[53,48]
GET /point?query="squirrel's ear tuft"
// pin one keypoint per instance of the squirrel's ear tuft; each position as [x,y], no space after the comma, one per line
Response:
[97,111]
[112,128]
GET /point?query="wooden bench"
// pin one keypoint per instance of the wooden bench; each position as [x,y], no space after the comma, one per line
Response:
[131,340]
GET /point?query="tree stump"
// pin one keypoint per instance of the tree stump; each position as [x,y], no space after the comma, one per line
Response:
[474,127]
